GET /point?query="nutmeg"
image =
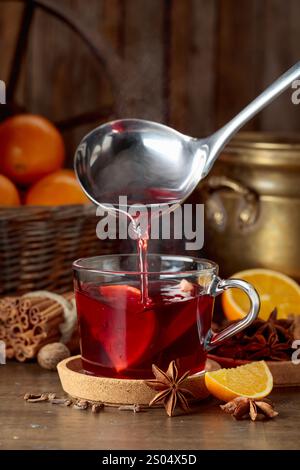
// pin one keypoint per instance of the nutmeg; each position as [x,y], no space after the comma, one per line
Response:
[50,355]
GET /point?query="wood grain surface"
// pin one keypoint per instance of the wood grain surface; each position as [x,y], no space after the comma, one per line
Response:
[46,426]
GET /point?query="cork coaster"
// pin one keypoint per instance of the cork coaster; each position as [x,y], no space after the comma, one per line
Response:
[115,392]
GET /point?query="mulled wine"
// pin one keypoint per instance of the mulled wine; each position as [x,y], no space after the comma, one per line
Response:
[122,337]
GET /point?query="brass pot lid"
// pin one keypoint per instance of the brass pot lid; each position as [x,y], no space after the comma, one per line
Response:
[261,148]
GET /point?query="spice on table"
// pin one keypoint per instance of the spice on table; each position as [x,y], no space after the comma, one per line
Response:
[170,388]
[135,408]
[58,401]
[242,407]
[81,405]
[78,404]
[68,402]
[27,396]
[96,407]
[32,398]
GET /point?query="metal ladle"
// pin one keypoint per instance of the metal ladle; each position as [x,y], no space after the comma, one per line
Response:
[153,164]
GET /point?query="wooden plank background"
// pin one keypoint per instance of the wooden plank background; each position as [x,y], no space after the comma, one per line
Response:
[190,63]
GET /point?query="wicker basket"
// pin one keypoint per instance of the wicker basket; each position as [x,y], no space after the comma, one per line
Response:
[39,244]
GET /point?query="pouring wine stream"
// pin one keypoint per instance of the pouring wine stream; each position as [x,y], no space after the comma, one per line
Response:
[154,165]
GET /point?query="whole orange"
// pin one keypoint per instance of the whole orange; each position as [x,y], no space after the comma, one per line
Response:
[9,195]
[30,147]
[59,188]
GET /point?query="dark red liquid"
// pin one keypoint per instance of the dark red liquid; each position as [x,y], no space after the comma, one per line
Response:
[122,337]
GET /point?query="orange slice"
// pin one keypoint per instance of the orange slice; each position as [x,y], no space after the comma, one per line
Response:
[275,290]
[126,330]
[120,291]
[252,380]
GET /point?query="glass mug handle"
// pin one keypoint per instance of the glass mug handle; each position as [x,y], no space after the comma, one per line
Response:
[217,287]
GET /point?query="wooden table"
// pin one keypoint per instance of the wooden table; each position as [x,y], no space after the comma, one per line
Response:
[46,426]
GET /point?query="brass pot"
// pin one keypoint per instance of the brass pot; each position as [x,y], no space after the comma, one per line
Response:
[252,205]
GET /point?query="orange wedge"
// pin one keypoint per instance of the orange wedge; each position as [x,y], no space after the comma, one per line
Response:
[120,291]
[252,380]
[276,290]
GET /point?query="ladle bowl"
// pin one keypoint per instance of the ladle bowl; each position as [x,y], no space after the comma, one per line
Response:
[152,164]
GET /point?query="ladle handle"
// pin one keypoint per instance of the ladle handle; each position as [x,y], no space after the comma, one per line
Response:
[219,139]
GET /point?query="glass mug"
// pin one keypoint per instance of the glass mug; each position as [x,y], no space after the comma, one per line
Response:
[121,336]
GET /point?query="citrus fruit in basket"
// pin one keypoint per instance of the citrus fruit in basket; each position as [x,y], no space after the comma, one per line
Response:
[59,188]
[252,380]
[9,195]
[276,290]
[30,148]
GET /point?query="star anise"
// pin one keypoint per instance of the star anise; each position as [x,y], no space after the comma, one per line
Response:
[170,388]
[268,340]
[271,340]
[242,407]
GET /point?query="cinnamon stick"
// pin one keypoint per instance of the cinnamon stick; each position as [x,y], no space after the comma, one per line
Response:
[53,309]
[11,315]
[31,351]
[36,310]
[24,321]
[26,340]
[15,342]
[38,330]
[28,323]
[44,304]
[25,303]
[34,316]
[47,326]
[15,330]
[54,316]
[8,301]
[19,354]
